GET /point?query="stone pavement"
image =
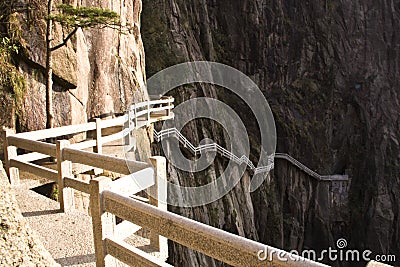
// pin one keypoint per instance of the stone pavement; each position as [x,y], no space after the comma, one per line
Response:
[19,244]
[67,236]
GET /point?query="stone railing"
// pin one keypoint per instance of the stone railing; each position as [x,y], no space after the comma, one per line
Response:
[301,166]
[218,244]
[173,132]
[109,198]
[140,115]
[67,154]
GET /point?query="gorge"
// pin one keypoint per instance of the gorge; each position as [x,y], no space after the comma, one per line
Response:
[329,70]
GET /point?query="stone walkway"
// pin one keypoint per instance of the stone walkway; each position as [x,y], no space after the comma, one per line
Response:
[68,237]
[19,244]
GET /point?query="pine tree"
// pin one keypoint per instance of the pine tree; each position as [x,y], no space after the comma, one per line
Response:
[72,18]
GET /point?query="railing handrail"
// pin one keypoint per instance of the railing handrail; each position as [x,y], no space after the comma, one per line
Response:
[216,243]
[89,126]
[57,131]
[213,146]
[335,177]
[165,133]
[32,145]
[113,164]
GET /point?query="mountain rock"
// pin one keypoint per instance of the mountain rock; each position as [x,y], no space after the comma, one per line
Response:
[329,72]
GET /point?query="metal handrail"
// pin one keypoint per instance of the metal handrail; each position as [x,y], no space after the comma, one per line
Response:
[310,172]
[173,132]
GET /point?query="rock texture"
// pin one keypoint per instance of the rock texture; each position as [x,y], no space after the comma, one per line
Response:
[329,71]
[98,73]
[19,245]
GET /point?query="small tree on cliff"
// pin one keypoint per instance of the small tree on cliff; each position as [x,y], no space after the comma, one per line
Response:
[72,18]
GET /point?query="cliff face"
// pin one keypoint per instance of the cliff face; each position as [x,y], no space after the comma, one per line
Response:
[98,73]
[329,71]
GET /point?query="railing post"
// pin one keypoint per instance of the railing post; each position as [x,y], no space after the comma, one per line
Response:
[134,114]
[128,126]
[169,107]
[10,152]
[99,147]
[148,112]
[64,167]
[129,123]
[103,222]
[158,197]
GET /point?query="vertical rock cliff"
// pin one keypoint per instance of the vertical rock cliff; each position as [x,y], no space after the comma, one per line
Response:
[329,71]
[98,73]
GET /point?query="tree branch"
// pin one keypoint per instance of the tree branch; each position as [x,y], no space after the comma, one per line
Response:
[64,42]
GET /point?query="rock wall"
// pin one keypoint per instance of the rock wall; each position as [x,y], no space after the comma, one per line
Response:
[296,211]
[329,71]
[97,74]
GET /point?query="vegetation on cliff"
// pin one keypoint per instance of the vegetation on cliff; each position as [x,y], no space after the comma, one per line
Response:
[73,18]
[12,82]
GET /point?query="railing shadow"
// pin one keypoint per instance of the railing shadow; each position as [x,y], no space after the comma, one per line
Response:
[75,260]
[40,213]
